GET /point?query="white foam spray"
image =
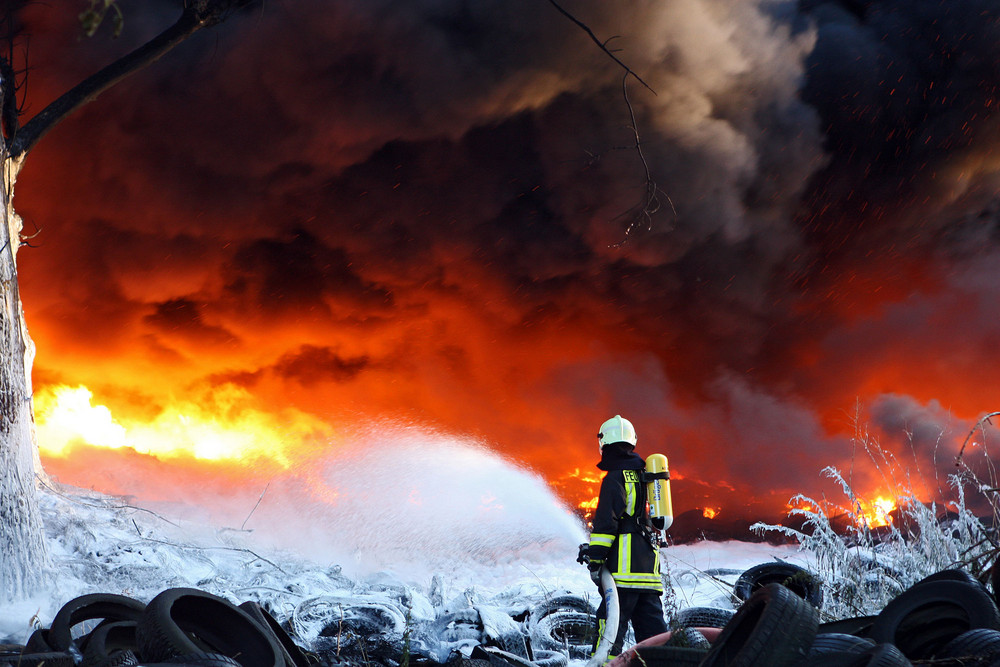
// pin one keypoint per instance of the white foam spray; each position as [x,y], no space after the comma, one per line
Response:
[414,503]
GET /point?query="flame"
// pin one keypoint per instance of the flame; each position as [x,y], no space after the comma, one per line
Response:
[710,513]
[799,506]
[588,477]
[581,487]
[588,507]
[876,513]
[224,428]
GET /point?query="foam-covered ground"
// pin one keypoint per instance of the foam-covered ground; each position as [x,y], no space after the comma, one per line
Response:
[499,541]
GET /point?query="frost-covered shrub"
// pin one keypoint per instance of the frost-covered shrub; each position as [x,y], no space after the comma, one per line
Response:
[862,568]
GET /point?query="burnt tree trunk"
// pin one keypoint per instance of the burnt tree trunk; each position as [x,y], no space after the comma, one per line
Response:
[24,559]
[23,553]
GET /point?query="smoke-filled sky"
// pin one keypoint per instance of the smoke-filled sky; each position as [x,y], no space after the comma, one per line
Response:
[330,213]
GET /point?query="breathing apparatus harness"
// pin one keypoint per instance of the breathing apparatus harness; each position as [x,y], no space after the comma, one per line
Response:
[640,522]
[649,480]
[653,527]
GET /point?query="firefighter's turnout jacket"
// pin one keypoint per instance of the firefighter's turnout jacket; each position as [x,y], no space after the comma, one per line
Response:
[619,538]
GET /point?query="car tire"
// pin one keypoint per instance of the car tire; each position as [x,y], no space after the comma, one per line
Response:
[295,655]
[704,617]
[108,640]
[925,618]
[668,656]
[799,580]
[835,642]
[981,643]
[185,621]
[564,630]
[774,627]
[108,606]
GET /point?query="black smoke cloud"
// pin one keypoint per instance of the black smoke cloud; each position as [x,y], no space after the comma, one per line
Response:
[908,94]
[423,200]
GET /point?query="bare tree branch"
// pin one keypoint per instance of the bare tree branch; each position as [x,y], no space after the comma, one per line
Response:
[650,202]
[192,547]
[981,424]
[8,80]
[642,212]
[244,524]
[602,45]
[25,239]
[100,502]
[196,15]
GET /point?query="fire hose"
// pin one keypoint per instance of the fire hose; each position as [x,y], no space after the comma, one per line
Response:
[609,593]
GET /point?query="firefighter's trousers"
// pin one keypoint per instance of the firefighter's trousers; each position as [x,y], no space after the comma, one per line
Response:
[642,608]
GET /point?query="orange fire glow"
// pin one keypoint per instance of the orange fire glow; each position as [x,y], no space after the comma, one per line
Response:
[588,507]
[801,507]
[206,330]
[876,513]
[227,431]
[580,484]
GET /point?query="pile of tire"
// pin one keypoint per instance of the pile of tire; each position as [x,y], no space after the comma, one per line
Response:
[555,630]
[946,619]
[563,624]
[352,628]
[455,633]
[180,627]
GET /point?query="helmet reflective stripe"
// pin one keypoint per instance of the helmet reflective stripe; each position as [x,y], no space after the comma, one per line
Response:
[616,429]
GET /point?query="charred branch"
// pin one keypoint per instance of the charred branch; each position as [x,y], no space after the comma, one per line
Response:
[980,426]
[602,45]
[25,239]
[196,15]
[649,203]
[640,214]
[8,99]
[8,79]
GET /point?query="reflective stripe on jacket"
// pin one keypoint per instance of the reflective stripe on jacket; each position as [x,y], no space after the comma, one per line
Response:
[617,539]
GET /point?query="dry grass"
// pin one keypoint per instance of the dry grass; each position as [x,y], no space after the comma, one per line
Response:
[863,567]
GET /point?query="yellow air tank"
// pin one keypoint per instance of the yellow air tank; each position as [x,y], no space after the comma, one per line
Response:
[661,508]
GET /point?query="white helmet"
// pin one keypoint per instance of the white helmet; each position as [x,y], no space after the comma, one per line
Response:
[616,429]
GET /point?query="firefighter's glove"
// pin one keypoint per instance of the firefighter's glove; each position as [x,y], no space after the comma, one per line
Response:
[582,555]
[595,573]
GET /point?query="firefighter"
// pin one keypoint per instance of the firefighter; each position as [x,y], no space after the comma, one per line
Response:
[621,540]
